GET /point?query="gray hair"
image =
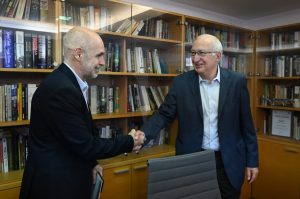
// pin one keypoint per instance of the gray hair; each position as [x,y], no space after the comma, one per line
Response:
[216,44]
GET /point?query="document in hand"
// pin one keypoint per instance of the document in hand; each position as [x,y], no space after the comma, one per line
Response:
[97,187]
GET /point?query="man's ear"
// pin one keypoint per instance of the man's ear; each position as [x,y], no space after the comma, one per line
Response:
[77,53]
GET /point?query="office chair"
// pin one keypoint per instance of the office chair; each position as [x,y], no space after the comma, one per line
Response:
[189,176]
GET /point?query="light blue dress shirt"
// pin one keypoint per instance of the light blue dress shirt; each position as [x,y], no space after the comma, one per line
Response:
[210,102]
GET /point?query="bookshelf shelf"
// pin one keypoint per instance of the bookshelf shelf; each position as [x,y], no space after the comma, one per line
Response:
[25,70]
[28,25]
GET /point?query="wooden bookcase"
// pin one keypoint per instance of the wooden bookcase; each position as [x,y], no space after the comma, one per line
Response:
[129,172]
[276,89]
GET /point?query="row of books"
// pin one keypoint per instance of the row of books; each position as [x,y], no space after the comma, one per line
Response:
[145,98]
[107,131]
[21,49]
[282,66]
[104,99]
[13,149]
[154,27]
[86,16]
[280,94]
[100,18]
[236,63]
[15,101]
[282,123]
[144,61]
[112,58]
[228,39]
[285,40]
[36,10]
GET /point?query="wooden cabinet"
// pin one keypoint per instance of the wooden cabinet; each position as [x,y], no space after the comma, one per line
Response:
[279,175]
[127,176]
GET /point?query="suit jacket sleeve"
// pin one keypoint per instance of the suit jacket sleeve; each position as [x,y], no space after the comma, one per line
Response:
[73,128]
[248,127]
[164,116]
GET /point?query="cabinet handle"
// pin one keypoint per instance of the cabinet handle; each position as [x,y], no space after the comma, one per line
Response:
[121,171]
[140,167]
[291,150]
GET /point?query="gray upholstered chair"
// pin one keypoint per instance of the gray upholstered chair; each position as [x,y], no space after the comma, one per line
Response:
[190,176]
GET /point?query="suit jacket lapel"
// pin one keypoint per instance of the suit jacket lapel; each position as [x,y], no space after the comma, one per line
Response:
[224,88]
[70,75]
[195,88]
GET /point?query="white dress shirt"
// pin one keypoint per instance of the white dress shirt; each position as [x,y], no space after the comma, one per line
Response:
[82,84]
[210,100]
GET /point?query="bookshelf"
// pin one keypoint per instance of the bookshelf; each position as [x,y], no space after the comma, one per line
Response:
[276,92]
[155,43]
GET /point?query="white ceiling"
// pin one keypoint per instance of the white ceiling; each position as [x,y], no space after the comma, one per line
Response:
[244,9]
[250,14]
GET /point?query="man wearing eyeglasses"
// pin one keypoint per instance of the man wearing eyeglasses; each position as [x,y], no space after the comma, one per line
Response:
[213,109]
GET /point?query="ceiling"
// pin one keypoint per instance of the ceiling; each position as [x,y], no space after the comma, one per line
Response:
[243,9]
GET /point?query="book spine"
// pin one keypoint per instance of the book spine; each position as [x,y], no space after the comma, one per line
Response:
[1,50]
[34,46]
[49,51]
[8,46]
[19,49]
[44,10]
[35,10]
[42,51]
[28,50]
[27,9]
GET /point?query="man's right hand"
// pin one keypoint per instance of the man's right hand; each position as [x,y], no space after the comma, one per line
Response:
[138,137]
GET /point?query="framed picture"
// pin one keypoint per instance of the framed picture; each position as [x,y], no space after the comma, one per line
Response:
[281,123]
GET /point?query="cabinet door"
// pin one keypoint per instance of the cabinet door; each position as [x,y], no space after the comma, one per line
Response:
[279,175]
[117,183]
[10,193]
[139,180]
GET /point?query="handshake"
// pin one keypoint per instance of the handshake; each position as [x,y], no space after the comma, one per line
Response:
[139,139]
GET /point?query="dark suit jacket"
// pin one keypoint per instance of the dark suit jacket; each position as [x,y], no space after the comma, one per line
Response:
[236,131]
[62,148]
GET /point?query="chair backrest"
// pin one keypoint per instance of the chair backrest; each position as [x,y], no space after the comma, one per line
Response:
[190,176]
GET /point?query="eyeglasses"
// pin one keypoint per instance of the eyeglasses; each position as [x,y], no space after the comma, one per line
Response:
[200,53]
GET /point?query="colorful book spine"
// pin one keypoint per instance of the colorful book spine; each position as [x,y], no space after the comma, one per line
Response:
[8,48]
[1,50]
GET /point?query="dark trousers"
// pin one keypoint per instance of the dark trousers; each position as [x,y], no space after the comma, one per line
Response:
[226,189]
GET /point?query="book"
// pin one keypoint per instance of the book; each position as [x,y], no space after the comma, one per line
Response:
[19,49]
[34,10]
[8,48]
[27,10]
[34,47]
[20,10]
[44,10]
[49,57]
[42,51]
[28,50]
[1,50]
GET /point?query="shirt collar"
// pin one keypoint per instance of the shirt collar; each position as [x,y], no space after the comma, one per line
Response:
[216,78]
[83,84]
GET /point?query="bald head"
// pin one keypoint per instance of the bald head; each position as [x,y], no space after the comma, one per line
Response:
[79,37]
[84,52]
